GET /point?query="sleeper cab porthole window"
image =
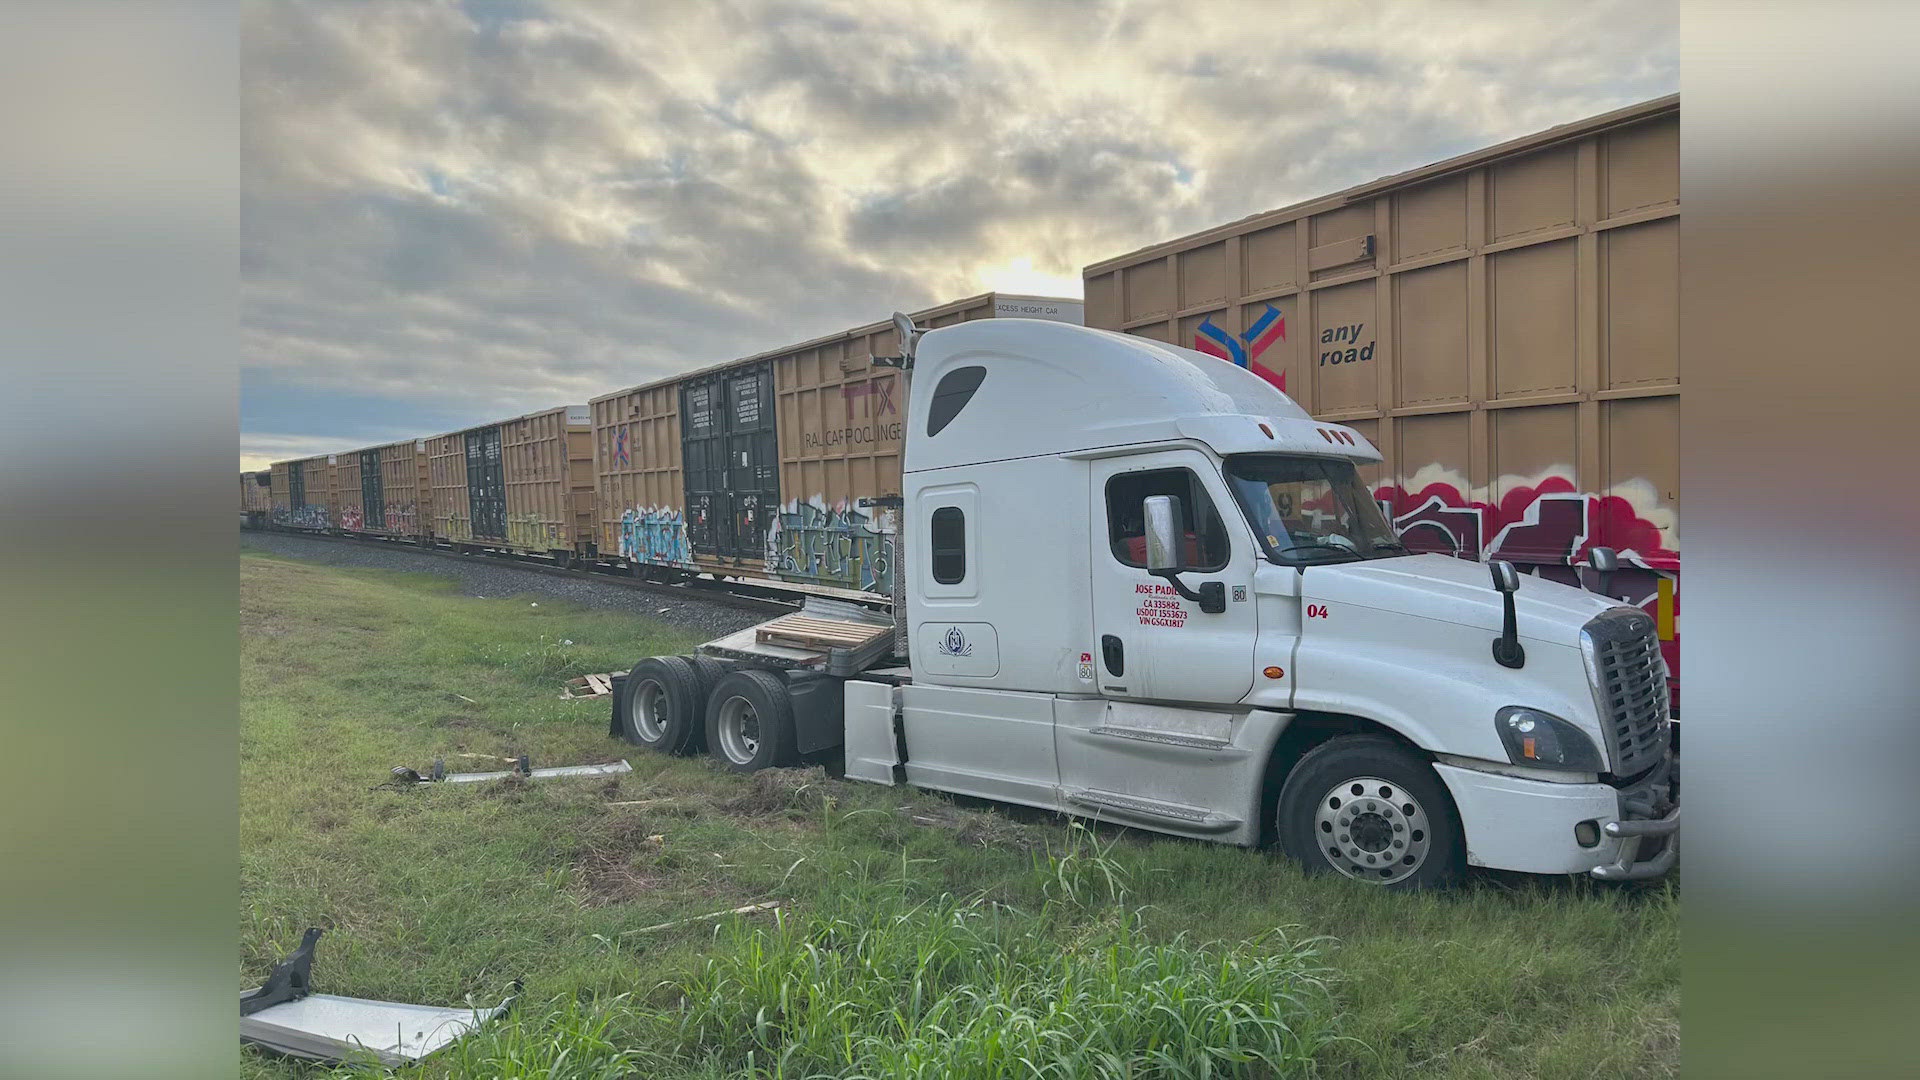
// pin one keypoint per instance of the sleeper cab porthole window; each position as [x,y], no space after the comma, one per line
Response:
[952,393]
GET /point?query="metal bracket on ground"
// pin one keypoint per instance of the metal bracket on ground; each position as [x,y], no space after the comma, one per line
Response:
[522,767]
[285,1016]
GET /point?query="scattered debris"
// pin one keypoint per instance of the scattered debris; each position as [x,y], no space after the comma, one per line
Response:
[284,1015]
[522,769]
[772,790]
[747,909]
[588,686]
[462,697]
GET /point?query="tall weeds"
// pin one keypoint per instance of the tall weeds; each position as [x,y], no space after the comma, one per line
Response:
[898,986]
[970,987]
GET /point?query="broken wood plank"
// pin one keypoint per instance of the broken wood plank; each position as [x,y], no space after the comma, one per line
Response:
[745,909]
[587,686]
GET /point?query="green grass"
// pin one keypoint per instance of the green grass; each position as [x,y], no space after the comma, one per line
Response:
[917,935]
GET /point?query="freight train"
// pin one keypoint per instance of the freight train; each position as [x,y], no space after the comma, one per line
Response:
[1502,325]
[784,465]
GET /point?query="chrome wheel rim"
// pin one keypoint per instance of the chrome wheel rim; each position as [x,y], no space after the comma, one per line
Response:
[739,730]
[1372,830]
[649,708]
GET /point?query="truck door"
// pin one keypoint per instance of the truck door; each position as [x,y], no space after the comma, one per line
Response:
[1150,642]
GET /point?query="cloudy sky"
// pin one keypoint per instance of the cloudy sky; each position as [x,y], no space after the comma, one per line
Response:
[457,212]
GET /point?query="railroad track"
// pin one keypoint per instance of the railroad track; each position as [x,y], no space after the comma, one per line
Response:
[768,598]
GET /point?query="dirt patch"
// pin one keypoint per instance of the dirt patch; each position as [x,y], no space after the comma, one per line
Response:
[616,866]
[773,790]
[510,788]
[975,828]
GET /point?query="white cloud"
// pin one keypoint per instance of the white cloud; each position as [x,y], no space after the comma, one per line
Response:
[448,204]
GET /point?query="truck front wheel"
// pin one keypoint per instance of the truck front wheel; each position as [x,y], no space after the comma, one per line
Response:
[1365,807]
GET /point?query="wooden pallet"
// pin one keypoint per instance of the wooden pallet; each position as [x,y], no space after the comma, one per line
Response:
[804,631]
[588,686]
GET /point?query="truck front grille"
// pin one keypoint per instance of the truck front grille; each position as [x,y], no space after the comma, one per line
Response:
[1629,680]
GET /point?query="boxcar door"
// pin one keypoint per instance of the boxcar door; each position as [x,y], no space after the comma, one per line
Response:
[296,489]
[701,453]
[496,480]
[373,503]
[752,462]
[486,484]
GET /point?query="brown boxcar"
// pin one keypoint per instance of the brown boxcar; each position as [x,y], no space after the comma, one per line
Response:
[303,493]
[452,514]
[405,493]
[524,484]
[377,490]
[783,464]
[349,511]
[256,498]
[1504,325]
[548,474]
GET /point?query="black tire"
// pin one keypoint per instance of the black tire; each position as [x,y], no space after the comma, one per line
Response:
[750,722]
[1400,828]
[663,705]
[709,671]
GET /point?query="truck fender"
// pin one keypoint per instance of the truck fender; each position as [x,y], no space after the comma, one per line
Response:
[819,719]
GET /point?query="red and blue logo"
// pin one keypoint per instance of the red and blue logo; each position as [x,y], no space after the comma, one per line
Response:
[1244,351]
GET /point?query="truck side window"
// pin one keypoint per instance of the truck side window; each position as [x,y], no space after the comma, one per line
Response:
[1204,539]
[954,390]
[949,545]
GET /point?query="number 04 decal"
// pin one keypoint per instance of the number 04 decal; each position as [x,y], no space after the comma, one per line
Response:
[1316,611]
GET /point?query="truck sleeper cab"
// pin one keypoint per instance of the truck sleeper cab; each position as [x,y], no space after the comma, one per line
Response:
[1143,585]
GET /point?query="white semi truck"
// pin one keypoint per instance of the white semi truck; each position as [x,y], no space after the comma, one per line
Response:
[1141,584]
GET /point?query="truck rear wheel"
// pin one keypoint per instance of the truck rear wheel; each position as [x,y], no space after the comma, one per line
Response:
[663,704]
[1365,807]
[750,722]
[709,671]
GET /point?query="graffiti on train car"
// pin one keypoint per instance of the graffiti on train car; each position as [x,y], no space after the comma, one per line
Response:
[457,527]
[655,535]
[307,517]
[832,545]
[529,530]
[351,519]
[403,519]
[1544,525]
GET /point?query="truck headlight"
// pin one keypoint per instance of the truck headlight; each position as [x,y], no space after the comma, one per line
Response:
[1533,737]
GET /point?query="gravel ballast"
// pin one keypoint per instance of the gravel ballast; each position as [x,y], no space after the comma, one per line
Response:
[483,577]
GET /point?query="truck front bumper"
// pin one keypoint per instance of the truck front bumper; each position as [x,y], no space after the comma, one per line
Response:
[1634,835]
[1533,826]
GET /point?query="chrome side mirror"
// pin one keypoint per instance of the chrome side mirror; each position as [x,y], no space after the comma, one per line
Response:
[1505,578]
[1604,561]
[1162,515]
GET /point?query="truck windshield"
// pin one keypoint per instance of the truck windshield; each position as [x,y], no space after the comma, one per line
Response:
[1310,509]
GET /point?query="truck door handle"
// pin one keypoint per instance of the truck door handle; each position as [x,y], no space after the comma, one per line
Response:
[1113,654]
